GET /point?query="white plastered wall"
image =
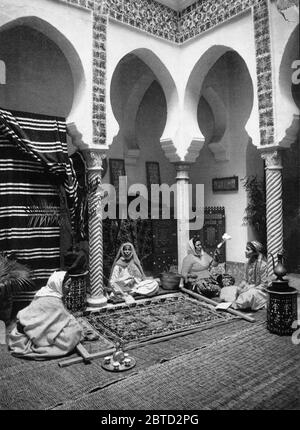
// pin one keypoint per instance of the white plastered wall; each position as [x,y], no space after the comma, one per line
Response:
[180,60]
[71,29]
[236,34]
[122,40]
[231,82]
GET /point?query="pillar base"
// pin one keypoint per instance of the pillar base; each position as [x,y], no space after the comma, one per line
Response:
[95,303]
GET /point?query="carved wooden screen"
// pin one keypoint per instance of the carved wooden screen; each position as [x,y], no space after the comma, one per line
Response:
[213,230]
[164,244]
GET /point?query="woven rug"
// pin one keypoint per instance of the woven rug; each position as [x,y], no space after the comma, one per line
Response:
[53,385]
[155,319]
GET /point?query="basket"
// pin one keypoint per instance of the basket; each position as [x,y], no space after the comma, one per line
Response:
[170,281]
[75,300]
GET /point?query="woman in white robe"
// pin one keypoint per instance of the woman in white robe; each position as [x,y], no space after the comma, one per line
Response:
[127,276]
[45,328]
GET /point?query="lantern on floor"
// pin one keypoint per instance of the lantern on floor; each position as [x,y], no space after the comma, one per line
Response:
[282,302]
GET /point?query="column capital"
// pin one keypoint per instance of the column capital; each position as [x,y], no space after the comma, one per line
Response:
[182,169]
[272,159]
[94,158]
[182,166]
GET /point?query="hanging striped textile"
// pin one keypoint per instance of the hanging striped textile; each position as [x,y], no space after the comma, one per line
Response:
[33,162]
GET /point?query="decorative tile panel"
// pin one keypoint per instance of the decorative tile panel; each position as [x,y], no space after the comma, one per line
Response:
[204,15]
[147,15]
[264,72]
[99,64]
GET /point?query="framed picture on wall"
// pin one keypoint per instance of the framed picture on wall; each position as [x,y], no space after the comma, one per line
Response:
[225,184]
[116,169]
[153,173]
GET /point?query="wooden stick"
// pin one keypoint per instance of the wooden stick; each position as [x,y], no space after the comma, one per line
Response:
[212,302]
[70,361]
[162,338]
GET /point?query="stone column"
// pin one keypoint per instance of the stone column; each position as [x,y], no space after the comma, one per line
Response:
[182,209]
[273,167]
[94,157]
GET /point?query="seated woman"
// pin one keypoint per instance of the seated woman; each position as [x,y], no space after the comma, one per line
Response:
[195,270]
[45,329]
[250,294]
[127,275]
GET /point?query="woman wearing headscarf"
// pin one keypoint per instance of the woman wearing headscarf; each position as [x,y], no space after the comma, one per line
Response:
[195,269]
[127,275]
[250,294]
[45,328]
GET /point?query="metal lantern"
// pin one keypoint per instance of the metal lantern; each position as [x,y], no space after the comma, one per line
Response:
[282,302]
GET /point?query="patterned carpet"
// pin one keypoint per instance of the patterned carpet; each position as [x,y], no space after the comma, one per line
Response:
[154,318]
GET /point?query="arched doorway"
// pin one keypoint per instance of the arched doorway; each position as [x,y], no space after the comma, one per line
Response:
[41,86]
[224,106]
[290,93]
[139,101]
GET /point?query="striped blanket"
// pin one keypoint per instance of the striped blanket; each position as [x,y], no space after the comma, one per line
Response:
[33,163]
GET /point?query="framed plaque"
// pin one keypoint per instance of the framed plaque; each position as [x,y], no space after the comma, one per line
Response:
[225,184]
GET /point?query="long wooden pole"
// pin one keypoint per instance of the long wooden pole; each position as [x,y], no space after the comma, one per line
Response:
[70,361]
[212,302]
